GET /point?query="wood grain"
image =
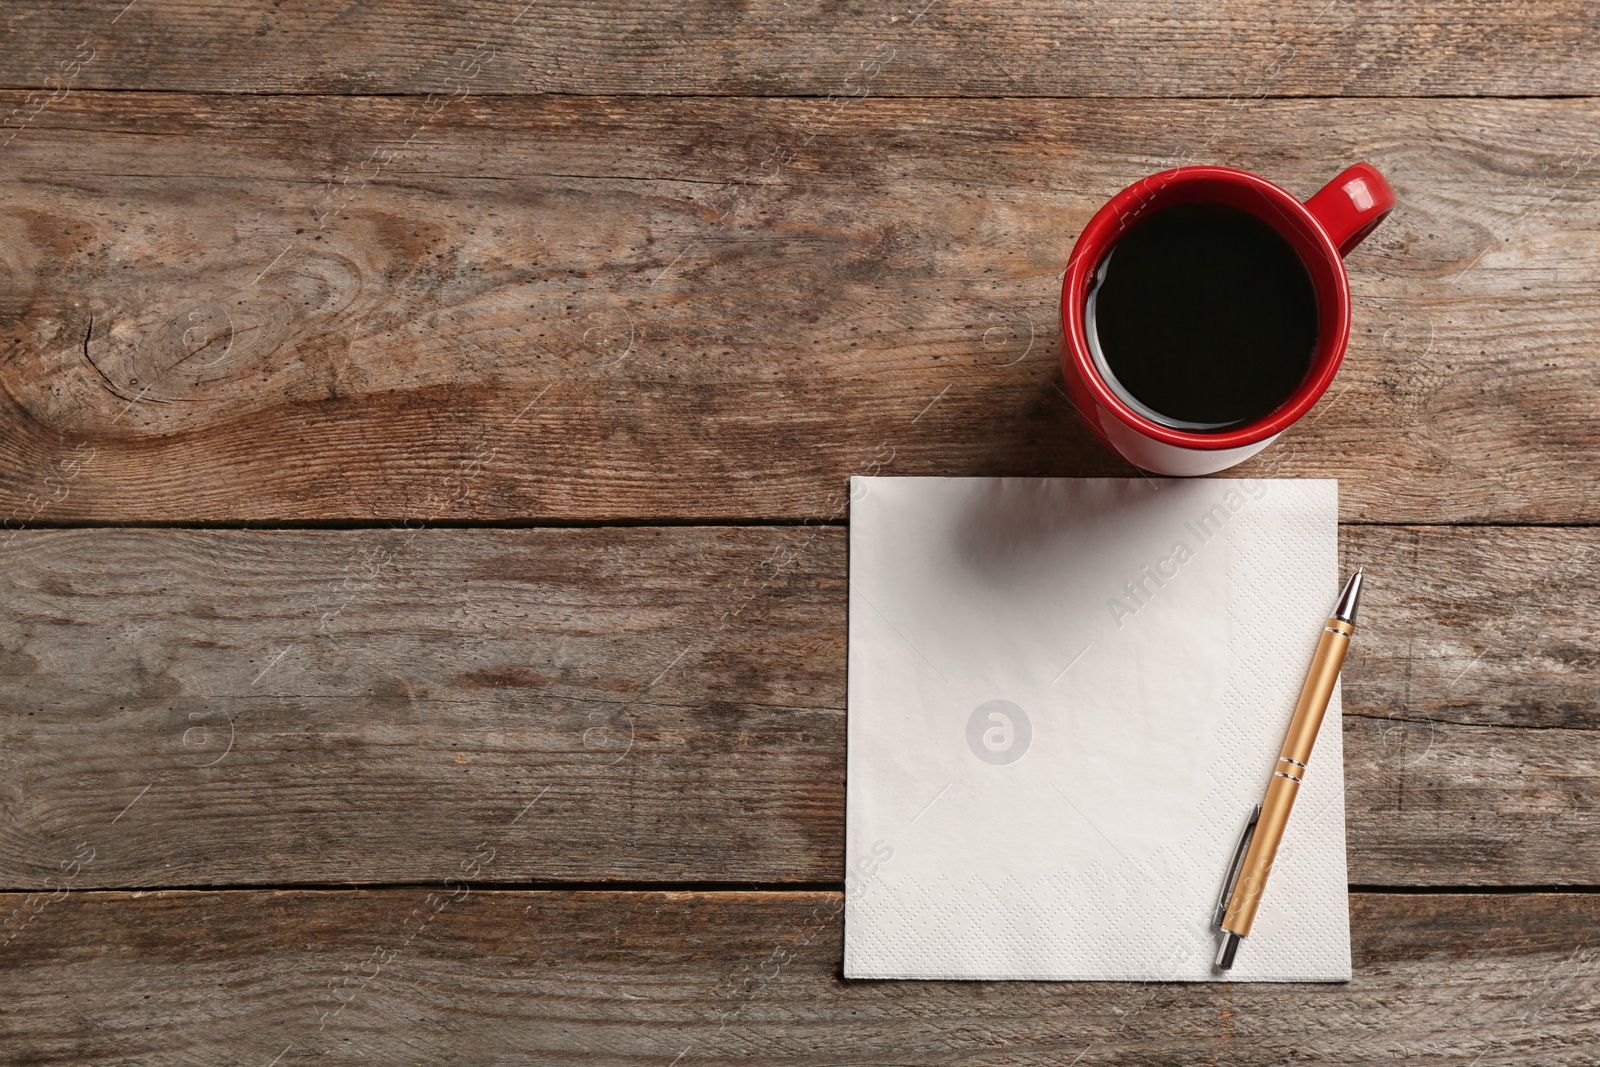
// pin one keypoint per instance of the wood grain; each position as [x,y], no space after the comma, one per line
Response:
[616,309]
[328,264]
[663,704]
[780,48]
[536,977]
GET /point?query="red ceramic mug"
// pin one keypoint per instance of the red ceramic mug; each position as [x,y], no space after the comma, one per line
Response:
[1322,230]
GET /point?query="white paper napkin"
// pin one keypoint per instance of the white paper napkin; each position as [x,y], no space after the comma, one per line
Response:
[1065,696]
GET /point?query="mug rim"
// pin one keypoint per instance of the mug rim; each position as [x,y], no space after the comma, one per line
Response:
[1096,239]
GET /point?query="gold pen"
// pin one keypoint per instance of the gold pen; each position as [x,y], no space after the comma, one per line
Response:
[1258,845]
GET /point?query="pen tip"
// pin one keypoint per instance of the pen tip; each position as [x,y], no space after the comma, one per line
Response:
[1350,598]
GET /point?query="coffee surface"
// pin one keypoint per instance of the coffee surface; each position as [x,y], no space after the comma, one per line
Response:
[1203,318]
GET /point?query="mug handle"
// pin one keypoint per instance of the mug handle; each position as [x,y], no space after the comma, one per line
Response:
[1352,205]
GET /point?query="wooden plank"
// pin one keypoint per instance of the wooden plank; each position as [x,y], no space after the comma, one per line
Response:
[770,47]
[1475,626]
[618,308]
[1465,629]
[537,977]
[662,704]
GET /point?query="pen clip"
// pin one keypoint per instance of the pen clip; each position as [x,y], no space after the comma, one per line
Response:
[1234,865]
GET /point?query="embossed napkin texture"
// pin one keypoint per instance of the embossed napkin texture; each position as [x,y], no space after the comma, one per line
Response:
[1065,696]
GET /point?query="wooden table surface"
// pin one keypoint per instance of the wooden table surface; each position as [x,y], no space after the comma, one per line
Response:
[424,445]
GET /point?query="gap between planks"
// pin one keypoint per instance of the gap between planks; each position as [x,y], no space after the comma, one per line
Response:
[713,887]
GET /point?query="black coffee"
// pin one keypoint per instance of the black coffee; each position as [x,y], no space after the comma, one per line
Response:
[1203,318]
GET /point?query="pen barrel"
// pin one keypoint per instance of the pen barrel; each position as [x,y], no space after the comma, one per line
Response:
[1318,690]
[1288,772]
[1261,854]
